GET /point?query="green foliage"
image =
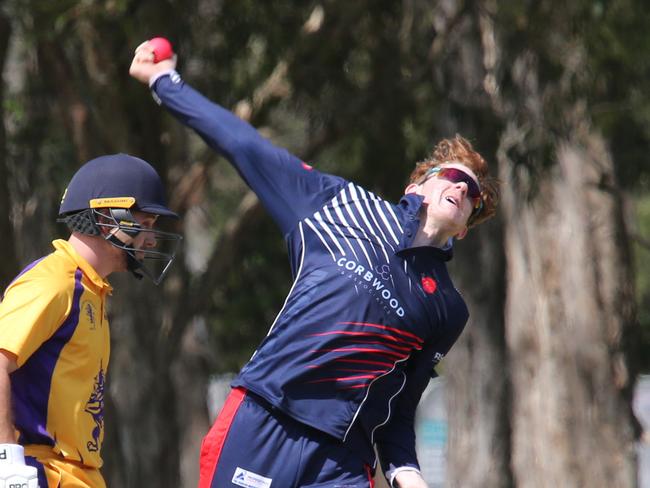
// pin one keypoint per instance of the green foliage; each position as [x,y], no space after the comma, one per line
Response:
[249,297]
[616,36]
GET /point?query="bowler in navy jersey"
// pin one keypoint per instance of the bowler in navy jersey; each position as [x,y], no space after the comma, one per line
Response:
[371,311]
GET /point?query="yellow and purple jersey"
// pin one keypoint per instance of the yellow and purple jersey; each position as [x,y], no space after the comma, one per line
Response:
[52,318]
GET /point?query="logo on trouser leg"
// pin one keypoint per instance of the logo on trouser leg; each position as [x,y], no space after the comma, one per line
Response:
[248,479]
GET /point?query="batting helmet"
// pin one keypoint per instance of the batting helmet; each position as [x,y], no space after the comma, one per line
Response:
[104,192]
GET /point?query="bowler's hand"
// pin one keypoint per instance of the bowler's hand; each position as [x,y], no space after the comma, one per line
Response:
[409,479]
[13,470]
[143,68]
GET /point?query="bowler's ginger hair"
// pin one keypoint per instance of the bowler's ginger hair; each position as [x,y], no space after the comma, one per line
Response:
[459,150]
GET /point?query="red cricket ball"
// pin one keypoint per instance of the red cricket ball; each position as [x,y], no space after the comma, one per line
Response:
[162,49]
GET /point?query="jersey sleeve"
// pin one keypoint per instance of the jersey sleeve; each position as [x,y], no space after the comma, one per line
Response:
[289,189]
[396,439]
[30,313]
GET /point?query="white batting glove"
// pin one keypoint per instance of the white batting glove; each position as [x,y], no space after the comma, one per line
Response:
[14,473]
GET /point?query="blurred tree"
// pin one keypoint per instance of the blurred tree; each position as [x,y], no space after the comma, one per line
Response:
[9,265]
[570,300]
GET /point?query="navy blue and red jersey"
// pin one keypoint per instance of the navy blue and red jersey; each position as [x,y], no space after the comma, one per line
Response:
[368,315]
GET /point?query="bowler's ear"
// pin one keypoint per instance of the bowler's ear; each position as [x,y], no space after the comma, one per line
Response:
[412,188]
[462,233]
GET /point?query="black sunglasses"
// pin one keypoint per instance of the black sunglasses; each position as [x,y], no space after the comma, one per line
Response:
[456,175]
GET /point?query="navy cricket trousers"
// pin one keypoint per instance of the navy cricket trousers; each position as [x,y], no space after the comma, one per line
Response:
[253,445]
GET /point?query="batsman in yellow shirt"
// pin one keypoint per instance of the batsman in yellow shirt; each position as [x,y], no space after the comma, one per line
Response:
[54,334]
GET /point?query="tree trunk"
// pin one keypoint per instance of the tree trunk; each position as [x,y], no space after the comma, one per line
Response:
[8,268]
[475,371]
[568,309]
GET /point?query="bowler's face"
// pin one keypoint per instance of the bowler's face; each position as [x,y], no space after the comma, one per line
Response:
[447,203]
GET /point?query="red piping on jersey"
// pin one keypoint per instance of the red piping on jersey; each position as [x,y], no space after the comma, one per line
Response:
[214,441]
[392,329]
[363,349]
[368,334]
[370,478]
